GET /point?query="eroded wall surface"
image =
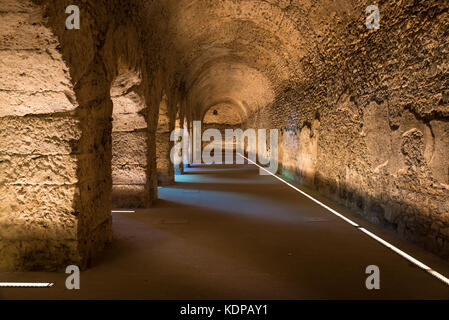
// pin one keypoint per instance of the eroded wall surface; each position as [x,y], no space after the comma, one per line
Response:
[368,125]
[129,143]
[223,117]
[39,139]
[165,126]
[56,132]
[363,113]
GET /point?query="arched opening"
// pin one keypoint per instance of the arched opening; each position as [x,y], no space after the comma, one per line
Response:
[84,120]
[223,117]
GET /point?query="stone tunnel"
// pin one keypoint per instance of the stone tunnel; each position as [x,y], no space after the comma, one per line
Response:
[87,115]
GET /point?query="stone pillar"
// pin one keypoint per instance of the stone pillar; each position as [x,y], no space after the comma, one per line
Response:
[129,144]
[178,169]
[53,148]
[165,168]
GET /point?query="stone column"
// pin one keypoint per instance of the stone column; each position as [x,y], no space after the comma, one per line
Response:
[165,168]
[129,144]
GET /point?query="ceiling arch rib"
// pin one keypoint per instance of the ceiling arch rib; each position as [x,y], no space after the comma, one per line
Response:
[221,81]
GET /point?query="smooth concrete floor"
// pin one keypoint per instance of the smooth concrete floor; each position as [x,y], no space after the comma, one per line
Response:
[229,233]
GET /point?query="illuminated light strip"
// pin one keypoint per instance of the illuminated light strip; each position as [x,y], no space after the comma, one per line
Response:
[398,251]
[407,256]
[305,194]
[119,211]
[370,234]
[26,285]
[438,276]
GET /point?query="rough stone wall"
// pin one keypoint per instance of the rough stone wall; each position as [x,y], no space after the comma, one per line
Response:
[56,129]
[40,185]
[112,34]
[129,143]
[179,169]
[363,113]
[166,124]
[92,73]
[368,125]
[222,117]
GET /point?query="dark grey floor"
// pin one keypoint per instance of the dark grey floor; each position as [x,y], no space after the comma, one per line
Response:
[228,233]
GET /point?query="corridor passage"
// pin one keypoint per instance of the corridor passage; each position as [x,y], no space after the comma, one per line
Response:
[226,232]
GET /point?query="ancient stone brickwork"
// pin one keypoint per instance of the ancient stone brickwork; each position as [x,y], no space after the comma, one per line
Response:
[368,124]
[222,117]
[129,143]
[56,130]
[39,146]
[166,124]
[363,113]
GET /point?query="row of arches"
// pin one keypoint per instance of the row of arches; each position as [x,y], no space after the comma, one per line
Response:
[86,115]
[83,131]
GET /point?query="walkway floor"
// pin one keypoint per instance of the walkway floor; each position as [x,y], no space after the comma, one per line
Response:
[229,233]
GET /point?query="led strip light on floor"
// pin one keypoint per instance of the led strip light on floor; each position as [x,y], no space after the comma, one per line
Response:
[26,284]
[122,211]
[370,234]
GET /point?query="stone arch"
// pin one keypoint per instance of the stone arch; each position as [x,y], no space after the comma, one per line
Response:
[222,116]
[282,62]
